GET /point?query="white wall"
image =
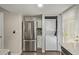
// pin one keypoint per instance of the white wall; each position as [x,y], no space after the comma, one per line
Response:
[70,27]
[12,21]
[59,32]
[1,30]
[77,21]
[13,42]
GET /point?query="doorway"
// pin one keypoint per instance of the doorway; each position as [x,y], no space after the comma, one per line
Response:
[51,33]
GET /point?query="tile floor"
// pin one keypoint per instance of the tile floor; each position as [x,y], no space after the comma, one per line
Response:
[37,53]
[40,53]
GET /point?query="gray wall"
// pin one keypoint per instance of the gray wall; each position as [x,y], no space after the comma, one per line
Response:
[12,22]
[12,41]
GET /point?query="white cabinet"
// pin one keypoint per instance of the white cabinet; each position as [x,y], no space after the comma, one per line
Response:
[50,30]
[51,43]
[1,31]
[39,38]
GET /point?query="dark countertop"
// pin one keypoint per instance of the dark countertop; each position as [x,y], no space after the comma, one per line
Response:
[71,48]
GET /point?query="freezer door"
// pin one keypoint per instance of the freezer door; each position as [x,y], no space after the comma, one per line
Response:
[29,46]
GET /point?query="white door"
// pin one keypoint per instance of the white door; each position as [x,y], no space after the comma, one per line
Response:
[51,39]
[1,31]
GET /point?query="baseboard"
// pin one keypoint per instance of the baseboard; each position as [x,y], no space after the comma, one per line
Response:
[19,53]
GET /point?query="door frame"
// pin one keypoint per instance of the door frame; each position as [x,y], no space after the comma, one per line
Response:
[43,31]
[2,40]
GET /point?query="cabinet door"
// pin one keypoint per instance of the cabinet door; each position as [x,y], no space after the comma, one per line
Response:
[1,30]
[51,40]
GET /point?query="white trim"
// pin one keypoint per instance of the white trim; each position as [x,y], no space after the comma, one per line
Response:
[35,35]
[19,53]
[43,34]
[2,16]
[3,31]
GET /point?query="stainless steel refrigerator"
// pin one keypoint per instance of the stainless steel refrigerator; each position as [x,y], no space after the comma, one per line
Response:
[29,41]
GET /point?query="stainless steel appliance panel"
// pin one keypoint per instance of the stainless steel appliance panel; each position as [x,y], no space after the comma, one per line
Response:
[29,41]
[29,30]
[29,46]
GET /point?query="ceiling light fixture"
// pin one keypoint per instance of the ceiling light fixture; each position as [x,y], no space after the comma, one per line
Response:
[40,5]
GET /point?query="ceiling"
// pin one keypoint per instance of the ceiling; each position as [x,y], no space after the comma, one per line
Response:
[33,9]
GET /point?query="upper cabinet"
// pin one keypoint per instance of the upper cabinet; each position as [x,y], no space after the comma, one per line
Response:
[70,25]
